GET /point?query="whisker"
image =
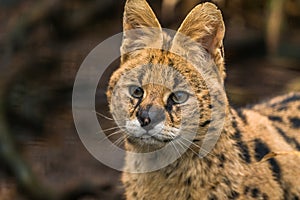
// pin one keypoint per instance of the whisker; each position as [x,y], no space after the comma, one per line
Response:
[188,147]
[102,115]
[109,135]
[196,145]
[181,145]
[176,149]
[194,138]
[118,141]
[202,149]
[121,140]
[191,142]
[173,136]
[114,133]
[112,128]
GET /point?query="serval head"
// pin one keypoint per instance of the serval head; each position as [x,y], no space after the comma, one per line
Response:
[160,93]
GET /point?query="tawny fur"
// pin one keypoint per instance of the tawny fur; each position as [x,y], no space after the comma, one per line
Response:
[232,169]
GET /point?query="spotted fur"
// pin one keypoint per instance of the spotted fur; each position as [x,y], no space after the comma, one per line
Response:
[150,118]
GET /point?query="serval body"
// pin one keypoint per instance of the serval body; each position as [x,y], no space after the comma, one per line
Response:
[162,93]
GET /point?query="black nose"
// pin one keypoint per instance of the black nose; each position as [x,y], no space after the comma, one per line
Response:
[150,116]
[143,117]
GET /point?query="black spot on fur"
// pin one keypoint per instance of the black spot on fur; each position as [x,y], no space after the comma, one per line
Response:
[188,181]
[295,122]
[221,165]
[244,150]
[261,149]
[265,196]
[233,195]
[134,194]
[246,190]
[170,62]
[237,135]
[226,181]
[151,58]
[282,107]
[255,192]
[207,161]
[205,123]
[213,197]
[275,118]
[288,139]
[275,168]
[161,59]
[234,123]
[285,193]
[222,159]
[295,197]
[242,116]
[295,97]
[205,97]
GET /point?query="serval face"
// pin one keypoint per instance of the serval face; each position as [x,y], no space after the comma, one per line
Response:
[160,93]
[156,101]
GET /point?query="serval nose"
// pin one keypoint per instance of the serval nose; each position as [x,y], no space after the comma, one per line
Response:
[149,116]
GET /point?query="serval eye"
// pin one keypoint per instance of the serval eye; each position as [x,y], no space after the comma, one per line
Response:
[136,92]
[179,97]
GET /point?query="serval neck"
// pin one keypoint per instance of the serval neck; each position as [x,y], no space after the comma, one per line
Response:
[224,155]
[220,170]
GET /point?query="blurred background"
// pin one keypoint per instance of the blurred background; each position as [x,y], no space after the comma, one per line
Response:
[42,45]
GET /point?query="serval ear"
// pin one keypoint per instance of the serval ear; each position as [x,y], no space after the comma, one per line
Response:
[140,28]
[204,24]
